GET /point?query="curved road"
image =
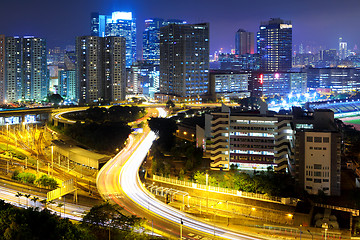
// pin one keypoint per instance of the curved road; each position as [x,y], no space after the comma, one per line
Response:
[118,181]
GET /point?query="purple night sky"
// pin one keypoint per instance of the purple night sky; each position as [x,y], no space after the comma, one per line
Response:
[315,22]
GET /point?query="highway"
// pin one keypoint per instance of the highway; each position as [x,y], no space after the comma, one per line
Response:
[119,182]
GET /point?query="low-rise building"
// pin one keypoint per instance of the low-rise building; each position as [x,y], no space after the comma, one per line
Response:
[306,144]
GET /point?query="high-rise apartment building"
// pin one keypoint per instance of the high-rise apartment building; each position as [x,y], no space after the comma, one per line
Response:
[151,38]
[26,73]
[244,42]
[118,24]
[67,84]
[184,59]
[115,70]
[13,70]
[2,68]
[143,78]
[100,69]
[275,45]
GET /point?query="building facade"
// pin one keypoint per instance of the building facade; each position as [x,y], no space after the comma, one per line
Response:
[250,141]
[26,73]
[275,45]
[151,38]
[318,153]
[336,79]
[2,68]
[118,24]
[319,161]
[244,42]
[100,69]
[67,84]
[228,84]
[184,59]
[143,78]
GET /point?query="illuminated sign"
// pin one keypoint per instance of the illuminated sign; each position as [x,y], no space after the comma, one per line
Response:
[261,78]
[284,26]
[277,76]
[121,15]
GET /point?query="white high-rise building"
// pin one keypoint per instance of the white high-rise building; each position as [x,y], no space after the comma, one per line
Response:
[343,52]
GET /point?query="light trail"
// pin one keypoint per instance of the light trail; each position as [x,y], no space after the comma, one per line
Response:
[119,179]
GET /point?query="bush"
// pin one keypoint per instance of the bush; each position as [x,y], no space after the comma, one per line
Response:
[47,182]
[26,177]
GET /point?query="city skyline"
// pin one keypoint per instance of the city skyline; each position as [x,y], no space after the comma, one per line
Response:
[320,24]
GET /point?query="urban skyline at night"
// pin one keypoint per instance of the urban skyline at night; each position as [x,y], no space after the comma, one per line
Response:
[318,25]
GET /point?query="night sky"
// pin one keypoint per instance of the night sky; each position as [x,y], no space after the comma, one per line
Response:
[315,22]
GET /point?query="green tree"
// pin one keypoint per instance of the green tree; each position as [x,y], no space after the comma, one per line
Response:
[170,104]
[27,199]
[18,195]
[55,99]
[35,199]
[165,128]
[107,216]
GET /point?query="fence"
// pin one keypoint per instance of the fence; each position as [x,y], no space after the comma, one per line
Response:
[256,196]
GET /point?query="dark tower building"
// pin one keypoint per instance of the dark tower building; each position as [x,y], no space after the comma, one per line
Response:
[26,73]
[244,42]
[100,69]
[184,59]
[275,45]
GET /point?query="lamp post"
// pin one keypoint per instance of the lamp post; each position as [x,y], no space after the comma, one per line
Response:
[207,191]
[7,137]
[52,160]
[325,225]
[312,236]
[213,206]
[181,224]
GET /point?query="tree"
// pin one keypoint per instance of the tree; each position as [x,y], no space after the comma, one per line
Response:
[108,216]
[55,99]
[45,202]
[18,195]
[27,199]
[170,104]
[19,223]
[60,205]
[47,182]
[35,199]
[165,128]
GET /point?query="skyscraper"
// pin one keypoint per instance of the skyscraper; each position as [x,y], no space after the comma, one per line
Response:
[118,24]
[275,45]
[184,59]
[343,52]
[244,42]
[2,68]
[115,70]
[100,69]
[13,70]
[67,84]
[35,80]
[26,73]
[151,38]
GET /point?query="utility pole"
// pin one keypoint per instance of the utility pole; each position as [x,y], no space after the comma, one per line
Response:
[181,223]
[52,160]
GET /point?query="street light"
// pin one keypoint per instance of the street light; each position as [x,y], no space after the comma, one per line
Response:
[312,236]
[215,214]
[325,225]
[207,191]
